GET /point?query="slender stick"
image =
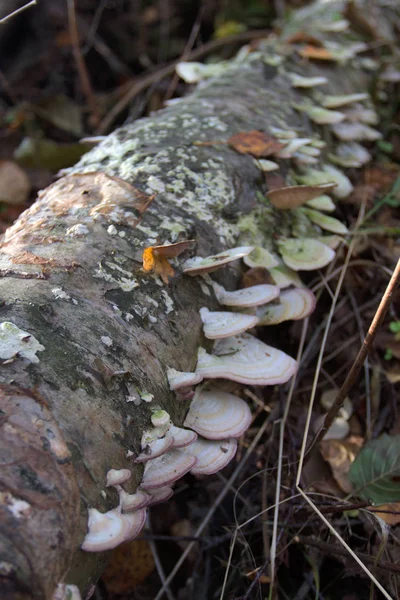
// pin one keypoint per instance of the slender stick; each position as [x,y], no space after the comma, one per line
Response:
[17,11]
[80,64]
[361,356]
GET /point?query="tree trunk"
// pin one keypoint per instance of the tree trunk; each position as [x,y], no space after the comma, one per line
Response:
[100,332]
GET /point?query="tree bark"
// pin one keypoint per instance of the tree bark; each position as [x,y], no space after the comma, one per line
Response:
[99,330]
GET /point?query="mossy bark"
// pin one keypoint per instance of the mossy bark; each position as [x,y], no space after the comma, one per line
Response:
[72,279]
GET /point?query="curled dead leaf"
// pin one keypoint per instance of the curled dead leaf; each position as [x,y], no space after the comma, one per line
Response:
[293,196]
[155,258]
[315,53]
[256,143]
[340,454]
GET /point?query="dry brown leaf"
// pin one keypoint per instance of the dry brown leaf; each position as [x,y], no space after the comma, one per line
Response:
[314,53]
[256,143]
[340,454]
[129,566]
[256,276]
[390,517]
[14,183]
[293,196]
[155,258]
[303,37]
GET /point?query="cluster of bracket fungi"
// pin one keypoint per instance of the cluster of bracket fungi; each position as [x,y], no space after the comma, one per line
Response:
[215,419]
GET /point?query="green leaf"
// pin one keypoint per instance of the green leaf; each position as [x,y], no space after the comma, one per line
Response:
[388,354]
[375,473]
[394,326]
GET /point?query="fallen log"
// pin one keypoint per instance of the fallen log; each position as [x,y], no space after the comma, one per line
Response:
[87,334]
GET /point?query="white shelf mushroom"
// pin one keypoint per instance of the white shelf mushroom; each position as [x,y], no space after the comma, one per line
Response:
[295,304]
[212,456]
[199,265]
[247,297]
[155,449]
[130,502]
[218,415]
[325,222]
[246,359]
[225,324]
[108,530]
[117,476]
[166,469]
[181,437]
[305,254]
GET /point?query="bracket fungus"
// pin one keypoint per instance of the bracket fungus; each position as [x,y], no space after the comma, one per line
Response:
[179,379]
[155,449]
[325,222]
[322,202]
[245,359]
[246,297]
[108,530]
[294,196]
[166,469]
[223,324]
[295,304]
[116,477]
[211,456]
[199,265]
[305,254]
[261,257]
[130,502]
[218,415]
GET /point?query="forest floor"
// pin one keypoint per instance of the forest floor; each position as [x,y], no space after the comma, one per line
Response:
[65,75]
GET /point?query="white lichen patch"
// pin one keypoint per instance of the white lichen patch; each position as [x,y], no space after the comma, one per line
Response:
[77,230]
[16,342]
[125,281]
[112,230]
[19,508]
[155,185]
[107,341]
[169,303]
[60,294]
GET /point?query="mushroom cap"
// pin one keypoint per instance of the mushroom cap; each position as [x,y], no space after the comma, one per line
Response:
[296,195]
[225,324]
[329,396]
[160,418]
[166,469]
[322,202]
[338,101]
[325,222]
[328,173]
[350,155]
[129,502]
[218,415]
[108,530]
[161,495]
[355,132]
[295,304]
[136,521]
[324,116]
[246,297]
[267,165]
[358,112]
[117,476]
[333,241]
[339,430]
[190,72]
[292,146]
[285,277]
[211,455]
[306,82]
[199,265]
[155,449]
[305,254]
[180,379]
[261,257]
[181,437]
[246,359]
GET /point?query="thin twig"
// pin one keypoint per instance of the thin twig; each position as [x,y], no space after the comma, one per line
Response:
[80,64]
[138,86]
[17,11]
[361,356]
